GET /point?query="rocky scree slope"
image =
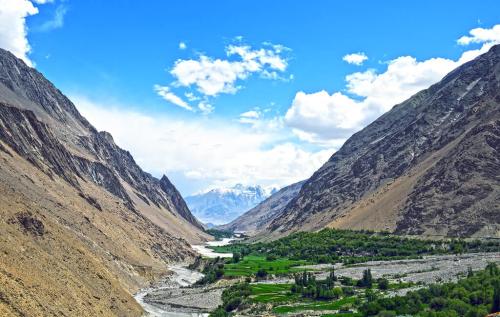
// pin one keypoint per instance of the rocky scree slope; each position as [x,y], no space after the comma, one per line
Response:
[82,225]
[429,166]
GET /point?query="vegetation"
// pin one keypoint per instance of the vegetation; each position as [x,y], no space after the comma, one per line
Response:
[475,295]
[233,298]
[307,285]
[366,280]
[383,284]
[315,305]
[350,247]
[272,293]
[250,265]
[213,271]
[219,234]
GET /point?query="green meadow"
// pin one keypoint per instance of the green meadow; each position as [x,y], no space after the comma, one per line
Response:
[251,264]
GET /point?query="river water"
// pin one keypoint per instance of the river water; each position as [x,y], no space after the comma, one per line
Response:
[180,277]
[209,253]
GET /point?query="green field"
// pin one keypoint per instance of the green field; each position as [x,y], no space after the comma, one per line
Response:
[272,293]
[251,264]
[314,305]
[343,315]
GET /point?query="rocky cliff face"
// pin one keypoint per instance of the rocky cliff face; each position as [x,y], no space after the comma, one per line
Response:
[82,224]
[258,218]
[428,166]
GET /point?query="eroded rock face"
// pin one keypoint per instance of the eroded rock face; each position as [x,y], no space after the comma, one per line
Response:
[444,139]
[44,126]
[82,222]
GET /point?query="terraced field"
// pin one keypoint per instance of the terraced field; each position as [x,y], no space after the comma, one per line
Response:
[250,265]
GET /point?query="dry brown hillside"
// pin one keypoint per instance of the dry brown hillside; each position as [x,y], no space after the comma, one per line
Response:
[82,227]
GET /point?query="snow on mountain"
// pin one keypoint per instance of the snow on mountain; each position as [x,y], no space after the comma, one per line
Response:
[222,205]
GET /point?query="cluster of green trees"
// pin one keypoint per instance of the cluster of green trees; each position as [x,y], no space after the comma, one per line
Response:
[219,234]
[366,280]
[332,245]
[233,298]
[213,271]
[474,296]
[307,285]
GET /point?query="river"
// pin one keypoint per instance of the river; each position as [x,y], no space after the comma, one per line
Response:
[172,296]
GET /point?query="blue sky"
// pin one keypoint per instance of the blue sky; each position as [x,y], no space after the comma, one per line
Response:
[295,98]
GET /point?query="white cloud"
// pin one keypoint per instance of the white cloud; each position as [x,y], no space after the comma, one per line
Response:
[182,46]
[331,116]
[249,117]
[215,153]
[215,76]
[169,96]
[326,119]
[57,20]
[205,107]
[481,35]
[355,58]
[13,30]
[191,97]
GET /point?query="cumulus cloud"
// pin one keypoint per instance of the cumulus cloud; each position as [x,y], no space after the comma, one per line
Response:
[481,35]
[213,76]
[13,30]
[355,58]
[166,94]
[205,151]
[324,118]
[182,46]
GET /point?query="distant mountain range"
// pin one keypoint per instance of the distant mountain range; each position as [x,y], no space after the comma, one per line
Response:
[259,217]
[222,205]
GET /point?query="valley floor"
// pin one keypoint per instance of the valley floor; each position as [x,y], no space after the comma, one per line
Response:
[177,297]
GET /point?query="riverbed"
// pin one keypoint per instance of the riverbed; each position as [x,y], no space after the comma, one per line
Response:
[209,253]
[173,296]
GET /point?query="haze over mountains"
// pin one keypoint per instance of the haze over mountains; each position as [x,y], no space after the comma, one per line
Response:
[222,205]
[76,208]
[430,166]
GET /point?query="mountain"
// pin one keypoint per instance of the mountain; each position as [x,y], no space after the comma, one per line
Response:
[83,226]
[222,205]
[259,217]
[429,166]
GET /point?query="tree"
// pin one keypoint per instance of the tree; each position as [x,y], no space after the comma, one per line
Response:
[383,283]
[470,273]
[262,273]
[330,280]
[366,280]
[495,306]
[236,257]
[219,312]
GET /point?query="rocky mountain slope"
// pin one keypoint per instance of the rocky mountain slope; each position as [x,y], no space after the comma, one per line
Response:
[82,225]
[259,217]
[221,205]
[429,166]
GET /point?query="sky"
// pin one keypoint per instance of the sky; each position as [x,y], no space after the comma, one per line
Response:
[215,93]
